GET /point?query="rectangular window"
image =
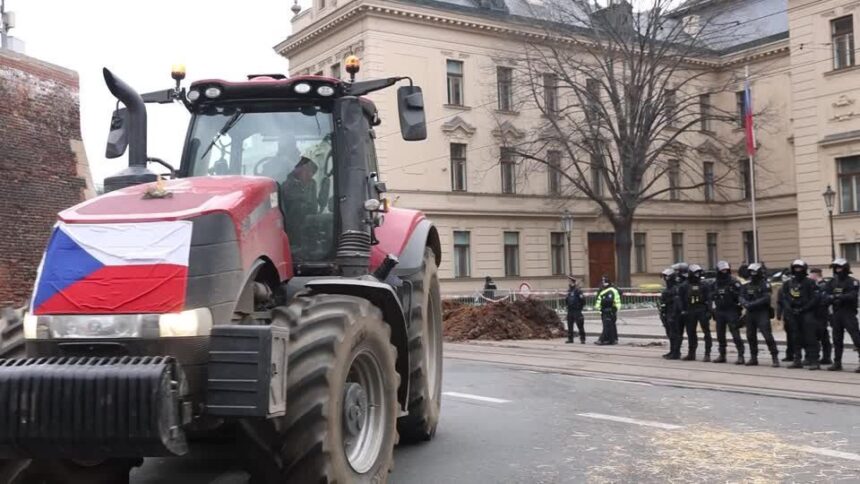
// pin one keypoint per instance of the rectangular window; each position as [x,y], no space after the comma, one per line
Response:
[705,112]
[553,159]
[670,105]
[849,183]
[851,253]
[744,169]
[512,253]
[749,247]
[592,86]
[597,171]
[708,171]
[455,82]
[550,95]
[677,246]
[458,167]
[842,39]
[712,250]
[505,85]
[335,71]
[322,4]
[461,254]
[509,173]
[674,180]
[557,253]
[741,103]
[639,249]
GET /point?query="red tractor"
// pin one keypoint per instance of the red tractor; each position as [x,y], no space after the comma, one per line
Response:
[263,294]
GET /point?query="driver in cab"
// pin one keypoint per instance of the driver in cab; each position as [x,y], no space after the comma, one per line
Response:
[300,193]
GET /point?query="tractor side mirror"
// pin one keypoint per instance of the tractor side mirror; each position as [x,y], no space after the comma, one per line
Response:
[410,106]
[117,141]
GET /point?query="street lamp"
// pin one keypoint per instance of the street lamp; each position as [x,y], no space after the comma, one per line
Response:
[829,195]
[567,225]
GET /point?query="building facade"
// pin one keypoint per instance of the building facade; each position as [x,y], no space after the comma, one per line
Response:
[499,221]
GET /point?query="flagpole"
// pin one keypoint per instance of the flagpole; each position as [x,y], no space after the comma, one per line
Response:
[752,173]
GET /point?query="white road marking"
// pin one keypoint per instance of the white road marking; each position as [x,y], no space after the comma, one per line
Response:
[645,423]
[828,452]
[475,397]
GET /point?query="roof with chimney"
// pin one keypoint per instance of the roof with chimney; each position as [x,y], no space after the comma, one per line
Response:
[750,22]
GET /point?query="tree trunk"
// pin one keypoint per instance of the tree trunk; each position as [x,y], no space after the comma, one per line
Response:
[623,245]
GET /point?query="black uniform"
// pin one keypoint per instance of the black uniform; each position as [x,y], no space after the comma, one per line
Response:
[727,312]
[842,294]
[785,316]
[822,317]
[665,305]
[801,303]
[575,301]
[755,298]
[673,318]
[694,297]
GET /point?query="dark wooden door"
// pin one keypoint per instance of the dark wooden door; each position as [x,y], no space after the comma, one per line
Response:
[601,257]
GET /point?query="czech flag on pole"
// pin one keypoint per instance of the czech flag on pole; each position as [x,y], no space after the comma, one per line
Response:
[748,119]
[123,268]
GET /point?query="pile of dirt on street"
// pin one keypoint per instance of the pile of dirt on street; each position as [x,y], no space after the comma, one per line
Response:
[522,319]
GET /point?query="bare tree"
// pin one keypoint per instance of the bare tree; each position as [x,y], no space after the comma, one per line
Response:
[623,96]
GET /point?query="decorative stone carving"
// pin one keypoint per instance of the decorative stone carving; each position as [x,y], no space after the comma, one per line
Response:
[458,126]
[508,131]
[842,109]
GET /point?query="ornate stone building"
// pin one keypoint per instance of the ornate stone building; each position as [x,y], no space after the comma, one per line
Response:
[508,226]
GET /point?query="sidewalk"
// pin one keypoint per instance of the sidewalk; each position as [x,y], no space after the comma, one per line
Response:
[645,324]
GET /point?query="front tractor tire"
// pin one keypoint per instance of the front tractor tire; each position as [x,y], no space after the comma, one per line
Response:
[425,355]
[341,420]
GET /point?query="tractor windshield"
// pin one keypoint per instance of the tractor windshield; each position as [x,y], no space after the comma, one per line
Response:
[287,143]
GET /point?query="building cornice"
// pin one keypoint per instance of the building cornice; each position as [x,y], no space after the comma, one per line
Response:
[502,29]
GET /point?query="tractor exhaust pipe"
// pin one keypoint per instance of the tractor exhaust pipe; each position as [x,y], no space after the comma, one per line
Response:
[136,117]
[137,172]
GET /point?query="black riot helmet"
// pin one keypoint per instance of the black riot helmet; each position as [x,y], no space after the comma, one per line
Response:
[682,270]
[841,268]
[756,270]
[724,269]
[696,272]
[799,268]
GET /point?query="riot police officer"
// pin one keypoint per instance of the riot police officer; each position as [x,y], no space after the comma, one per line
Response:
[676,325]
[727,311]
[755,299]
[608,303]
[801,303]
[785,316]
[695,298]
[842,292]
[822,317]
[575,301]
[664,304]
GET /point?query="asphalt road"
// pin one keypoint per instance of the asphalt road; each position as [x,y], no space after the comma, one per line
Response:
[512,424]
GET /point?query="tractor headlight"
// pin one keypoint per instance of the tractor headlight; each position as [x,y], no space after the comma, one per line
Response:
[194,322]
[302,88]
[212,92]
[325,91]
[193,95]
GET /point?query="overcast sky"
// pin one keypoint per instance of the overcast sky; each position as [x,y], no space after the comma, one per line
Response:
[139,40]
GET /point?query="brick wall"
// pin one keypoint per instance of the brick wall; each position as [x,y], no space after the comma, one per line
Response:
[43,168]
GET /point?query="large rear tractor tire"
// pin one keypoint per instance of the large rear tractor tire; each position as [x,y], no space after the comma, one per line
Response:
[341,420]
[425,351]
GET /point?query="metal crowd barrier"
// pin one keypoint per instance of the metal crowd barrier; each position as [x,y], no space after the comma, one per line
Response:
[631,298]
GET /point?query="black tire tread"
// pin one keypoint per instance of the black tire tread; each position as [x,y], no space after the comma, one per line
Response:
[420,423]
[318,325]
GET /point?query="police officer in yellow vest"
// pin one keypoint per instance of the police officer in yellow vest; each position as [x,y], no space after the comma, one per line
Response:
[608,303]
